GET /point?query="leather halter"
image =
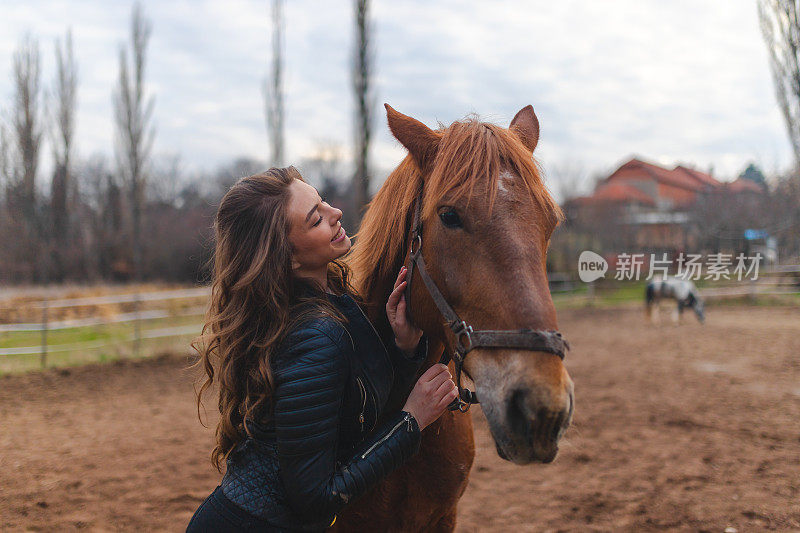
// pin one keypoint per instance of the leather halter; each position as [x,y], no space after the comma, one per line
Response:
[466,338]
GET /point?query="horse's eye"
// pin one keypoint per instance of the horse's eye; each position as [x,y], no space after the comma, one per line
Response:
[450,219]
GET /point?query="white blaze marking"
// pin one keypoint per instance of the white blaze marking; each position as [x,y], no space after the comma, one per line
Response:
[506,175]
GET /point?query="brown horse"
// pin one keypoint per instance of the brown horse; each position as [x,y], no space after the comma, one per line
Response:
[487,220]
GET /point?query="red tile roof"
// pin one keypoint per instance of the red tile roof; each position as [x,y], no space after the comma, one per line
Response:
[617,192]
[660,174]
[743,185]
[682,177]
[701,177]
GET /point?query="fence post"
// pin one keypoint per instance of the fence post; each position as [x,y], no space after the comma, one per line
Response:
[753,291]
[137,324]
[44,333]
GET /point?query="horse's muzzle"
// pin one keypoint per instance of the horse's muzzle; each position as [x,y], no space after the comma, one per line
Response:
[535,426]
[527,400]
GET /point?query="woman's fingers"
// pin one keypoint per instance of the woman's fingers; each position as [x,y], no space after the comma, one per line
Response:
[431,395]
[448,398]
[445,394]
[393,303]
[400,276]
[438,380]
[394,297]
[398,290]
[434,371]
[445,388]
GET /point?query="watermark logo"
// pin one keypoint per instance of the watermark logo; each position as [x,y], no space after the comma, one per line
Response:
[633,267]
[591,266]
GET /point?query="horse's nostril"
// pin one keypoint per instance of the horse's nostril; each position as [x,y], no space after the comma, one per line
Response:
[530,419]
[517,412]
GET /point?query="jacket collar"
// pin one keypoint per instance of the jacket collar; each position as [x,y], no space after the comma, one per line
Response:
[369,351]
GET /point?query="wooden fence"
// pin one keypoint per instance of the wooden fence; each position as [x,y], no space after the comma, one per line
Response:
[778,280]
[139,317]
[773,281]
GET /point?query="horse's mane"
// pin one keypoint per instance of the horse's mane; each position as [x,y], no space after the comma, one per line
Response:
[470,152]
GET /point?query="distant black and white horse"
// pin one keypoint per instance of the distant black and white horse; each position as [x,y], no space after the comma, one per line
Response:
[681,290]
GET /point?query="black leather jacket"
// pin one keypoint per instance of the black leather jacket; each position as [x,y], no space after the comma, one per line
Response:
[324,446]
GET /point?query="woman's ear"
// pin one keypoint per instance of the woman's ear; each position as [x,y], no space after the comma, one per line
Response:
[295,265]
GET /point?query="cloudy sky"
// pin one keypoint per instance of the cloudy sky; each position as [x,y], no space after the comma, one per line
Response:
[679,81]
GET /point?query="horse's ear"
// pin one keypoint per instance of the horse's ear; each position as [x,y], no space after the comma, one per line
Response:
[420,141]
[526,126]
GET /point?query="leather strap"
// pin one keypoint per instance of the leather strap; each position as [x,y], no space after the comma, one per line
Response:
[416,239]
[539,341]
[467,339]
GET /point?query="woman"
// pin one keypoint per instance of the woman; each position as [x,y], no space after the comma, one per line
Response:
[302,375]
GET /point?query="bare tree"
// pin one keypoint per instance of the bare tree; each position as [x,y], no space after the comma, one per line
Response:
[570,178]
[63,102]
[63,99]
[780,26]
[19,162]
[362,86]
[135,131]
[6,172]
[324,169]
[167,180]
[273,88]
[95,243]
[323,164]
[27,127]
[229,173]
[5,216]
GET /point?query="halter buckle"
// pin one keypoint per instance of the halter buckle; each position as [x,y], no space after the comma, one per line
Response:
[459,404]
[463,406]
[463,335]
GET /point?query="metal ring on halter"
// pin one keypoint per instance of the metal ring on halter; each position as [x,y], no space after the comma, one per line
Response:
[417,239]
[463,332]
[463,406]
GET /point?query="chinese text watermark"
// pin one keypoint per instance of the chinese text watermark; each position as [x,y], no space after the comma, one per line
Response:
[634,267]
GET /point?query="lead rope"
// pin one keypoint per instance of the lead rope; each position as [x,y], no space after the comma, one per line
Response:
[465,396]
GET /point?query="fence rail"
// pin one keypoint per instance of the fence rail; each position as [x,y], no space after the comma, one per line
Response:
[137,317]
[777,280]
[154,296]
[86,322]
[178,331]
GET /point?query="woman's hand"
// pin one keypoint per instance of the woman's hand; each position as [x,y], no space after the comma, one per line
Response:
[406,334]
[431,395]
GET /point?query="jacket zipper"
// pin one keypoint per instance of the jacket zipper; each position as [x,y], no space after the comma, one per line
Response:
[406,419]
[366,319]
[363,390]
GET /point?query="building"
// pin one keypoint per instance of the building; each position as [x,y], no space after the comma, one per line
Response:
[649,207]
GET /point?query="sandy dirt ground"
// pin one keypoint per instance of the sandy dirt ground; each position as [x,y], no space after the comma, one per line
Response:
[690,428]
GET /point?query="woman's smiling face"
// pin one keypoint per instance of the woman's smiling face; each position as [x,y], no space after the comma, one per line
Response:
[316,233]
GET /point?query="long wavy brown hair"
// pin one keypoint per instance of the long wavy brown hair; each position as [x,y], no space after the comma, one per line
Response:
[255,302]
